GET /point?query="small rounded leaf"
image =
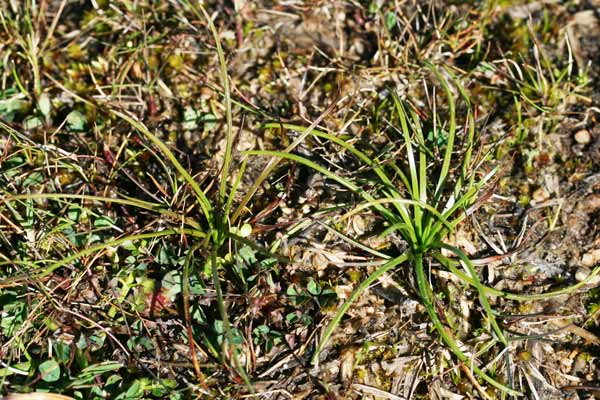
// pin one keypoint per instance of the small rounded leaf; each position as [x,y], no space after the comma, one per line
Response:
[44,104]
[313,287]
[50,371]
[32,123]
[246,230]
[76,121]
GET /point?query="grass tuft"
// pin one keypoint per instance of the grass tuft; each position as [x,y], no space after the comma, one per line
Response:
[440,196]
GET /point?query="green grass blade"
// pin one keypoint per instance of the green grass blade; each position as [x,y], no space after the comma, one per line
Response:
[45,271]
[200,195]
[477,284]
[330,175]
[400,226]
[422,156]
[428,301]
[355,294]
[414,180]
[226,325]
[63,196]
[226,93]
[450,264]
[450,139]
[416,185]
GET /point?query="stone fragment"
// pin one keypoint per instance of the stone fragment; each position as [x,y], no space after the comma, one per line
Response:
[540,195]
[583,136]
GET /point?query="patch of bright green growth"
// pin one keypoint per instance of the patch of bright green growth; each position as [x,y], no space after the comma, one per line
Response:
[545,85]
[212,232]
[436,204]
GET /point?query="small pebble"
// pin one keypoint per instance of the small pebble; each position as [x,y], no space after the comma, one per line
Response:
[358,224]
[583,273]
[583,136]
[587,260]
[540,195]
[590,258]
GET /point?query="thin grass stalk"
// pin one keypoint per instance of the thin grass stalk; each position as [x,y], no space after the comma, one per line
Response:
[450,139]
[422,156]
[200,195]
[427,297]
[353,297]
[43,272]
[226,93]
[224,316]
[61,196]
[477,284]
[514,296]
[188,317]
[379,171]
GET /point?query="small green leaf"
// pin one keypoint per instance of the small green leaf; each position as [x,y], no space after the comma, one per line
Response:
[291,291]
[44,104]
[88,374]
[73,213]
[13,105]
[171,284]
[313,287]
[81,343]
[247,255]
[97,341]
[35,178]
[62,351]
[50,371]
[103,221]
[440,137]
[135,391]
[246,230]
[373,7]
[209,120]
[113,379]
[32,123]
[190,118]
[76,121]
[261,330]
[390,20]
[101,368]
[292,318]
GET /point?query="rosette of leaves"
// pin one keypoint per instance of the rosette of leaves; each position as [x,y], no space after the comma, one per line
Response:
[422,199]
